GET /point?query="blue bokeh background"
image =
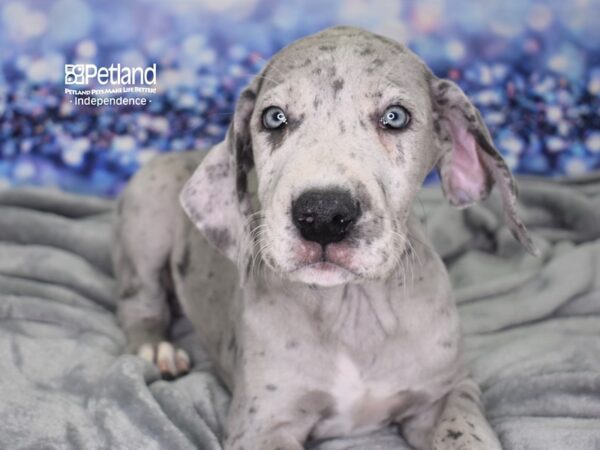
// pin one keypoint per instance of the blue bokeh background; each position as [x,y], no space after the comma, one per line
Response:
[532,67]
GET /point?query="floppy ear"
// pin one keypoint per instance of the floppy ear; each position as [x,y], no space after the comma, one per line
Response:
[470,165]
[216,197]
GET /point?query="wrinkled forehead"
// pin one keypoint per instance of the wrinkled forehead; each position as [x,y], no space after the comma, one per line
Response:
[344,61]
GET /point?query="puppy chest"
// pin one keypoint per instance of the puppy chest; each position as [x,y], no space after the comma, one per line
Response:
[362,404]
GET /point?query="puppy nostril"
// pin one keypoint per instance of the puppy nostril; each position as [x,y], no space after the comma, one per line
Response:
[342,221]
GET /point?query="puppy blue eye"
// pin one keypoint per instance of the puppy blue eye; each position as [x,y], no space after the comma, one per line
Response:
[395,117]
[273,118]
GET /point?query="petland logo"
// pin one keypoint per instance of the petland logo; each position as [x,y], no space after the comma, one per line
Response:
[124,84]
[84,74]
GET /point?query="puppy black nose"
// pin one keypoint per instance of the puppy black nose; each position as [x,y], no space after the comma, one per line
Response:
[325,216]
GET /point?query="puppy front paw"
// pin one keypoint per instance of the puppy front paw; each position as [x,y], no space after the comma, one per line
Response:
[172,362]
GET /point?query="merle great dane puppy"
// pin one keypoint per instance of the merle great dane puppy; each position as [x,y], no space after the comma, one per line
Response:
[323,306]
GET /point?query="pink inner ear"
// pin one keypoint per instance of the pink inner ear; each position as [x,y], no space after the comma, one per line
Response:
[467,175]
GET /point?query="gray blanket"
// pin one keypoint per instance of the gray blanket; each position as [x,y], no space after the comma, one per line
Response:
[532,329]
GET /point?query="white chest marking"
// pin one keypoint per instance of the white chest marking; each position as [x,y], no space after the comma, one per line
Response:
[360,405]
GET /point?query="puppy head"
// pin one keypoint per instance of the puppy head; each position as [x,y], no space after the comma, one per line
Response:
[340,129]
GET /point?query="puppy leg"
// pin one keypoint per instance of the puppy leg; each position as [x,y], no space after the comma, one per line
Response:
[145,315]
[146,227]
[275,420]
[417,430]
[142,309]
[462,424]
[455,423]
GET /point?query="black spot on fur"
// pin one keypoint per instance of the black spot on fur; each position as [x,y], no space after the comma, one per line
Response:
[471,118]
[327,48]
[271,387]
[232,343]
[453,434]
[316,102]
[275,138]
[446,344]
[214,172]
[291,344]
[244,163]
[184,262]
[443,86]
[295,124]
[337,85]
[382,186]
[219,236]
[362,194]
